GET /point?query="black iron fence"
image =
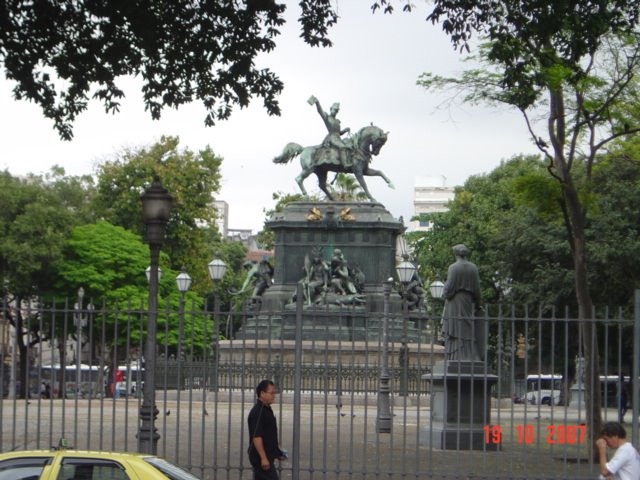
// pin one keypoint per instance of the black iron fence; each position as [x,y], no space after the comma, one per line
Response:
[84,382]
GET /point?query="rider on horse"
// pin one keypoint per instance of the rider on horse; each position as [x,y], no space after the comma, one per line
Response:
[336,155]
[334,137]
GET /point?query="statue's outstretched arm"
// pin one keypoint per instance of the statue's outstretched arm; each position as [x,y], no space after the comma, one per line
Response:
[250,274]
[314,101]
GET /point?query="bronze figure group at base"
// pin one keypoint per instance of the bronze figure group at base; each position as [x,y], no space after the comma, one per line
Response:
[335,283]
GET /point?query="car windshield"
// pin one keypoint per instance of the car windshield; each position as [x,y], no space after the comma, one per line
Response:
[169,469]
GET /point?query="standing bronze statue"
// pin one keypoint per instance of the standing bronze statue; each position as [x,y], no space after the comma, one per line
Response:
[340,274]
[315,281]
[464,329]
[413,292]
[336,154]
[260,275]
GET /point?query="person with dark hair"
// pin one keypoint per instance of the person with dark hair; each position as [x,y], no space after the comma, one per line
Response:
[621,398]
[263,434]
[625,464]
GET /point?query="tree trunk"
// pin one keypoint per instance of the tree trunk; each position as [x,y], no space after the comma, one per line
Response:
[585,313]
[575,219]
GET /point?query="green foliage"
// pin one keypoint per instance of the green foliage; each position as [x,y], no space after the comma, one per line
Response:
[62,54]
[614,228]
[37,215]
[191,178]
[510,220]
[103,258]
[345,187]
[109,262]
[579,61]
[513,241]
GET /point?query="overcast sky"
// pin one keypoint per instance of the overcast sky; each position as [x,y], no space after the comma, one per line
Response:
[371,70]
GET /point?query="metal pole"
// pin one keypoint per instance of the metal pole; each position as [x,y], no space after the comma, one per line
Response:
[79,342]
[403,356]
[383,419]
[297,386]
[635,401]
[148,435]
[216,337]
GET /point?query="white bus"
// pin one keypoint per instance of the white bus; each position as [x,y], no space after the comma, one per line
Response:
[91,380]
[544,389]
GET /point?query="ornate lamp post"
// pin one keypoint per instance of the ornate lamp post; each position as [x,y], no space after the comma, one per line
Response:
[436,289]
[405,271]
[383,418]
[156,208]
[147,272]
[217,268]
[183,282]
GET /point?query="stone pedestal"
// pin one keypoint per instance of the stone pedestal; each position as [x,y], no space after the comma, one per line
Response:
[366,232]
[460,406]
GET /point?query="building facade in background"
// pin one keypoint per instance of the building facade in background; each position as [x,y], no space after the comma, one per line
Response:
[222,217]
[430,195]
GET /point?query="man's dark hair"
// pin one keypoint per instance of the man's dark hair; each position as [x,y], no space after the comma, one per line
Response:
[263,386]
[614,429]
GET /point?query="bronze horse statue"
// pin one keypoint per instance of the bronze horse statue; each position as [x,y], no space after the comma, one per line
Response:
[355,159]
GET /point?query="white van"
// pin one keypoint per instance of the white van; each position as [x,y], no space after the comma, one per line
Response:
[543,389]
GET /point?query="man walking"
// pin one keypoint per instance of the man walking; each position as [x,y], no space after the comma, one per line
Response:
[263,434]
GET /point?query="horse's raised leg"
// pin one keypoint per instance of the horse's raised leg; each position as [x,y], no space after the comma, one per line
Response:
[322,183]
[300,180]
[378,173]
[360,177]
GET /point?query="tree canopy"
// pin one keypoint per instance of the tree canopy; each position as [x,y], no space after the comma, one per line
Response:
[38,212]
[572,63]
[192,178]
[63,54]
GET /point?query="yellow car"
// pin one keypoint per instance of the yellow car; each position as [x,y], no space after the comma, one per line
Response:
[61,464]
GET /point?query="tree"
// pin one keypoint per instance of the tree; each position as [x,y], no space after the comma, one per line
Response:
[576,60]
[62,54]
[347,188]
[509,218]
[191,178]
[511,232]
[37,215]
[109,263]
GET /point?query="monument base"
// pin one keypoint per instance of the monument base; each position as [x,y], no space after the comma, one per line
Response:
[460,406]
[437,435]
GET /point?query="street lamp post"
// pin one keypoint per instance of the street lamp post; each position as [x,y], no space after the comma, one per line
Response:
[217,268]
[405,271]
[156,208]
[436,289]
[183,282]
[147,273]
[383,419]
